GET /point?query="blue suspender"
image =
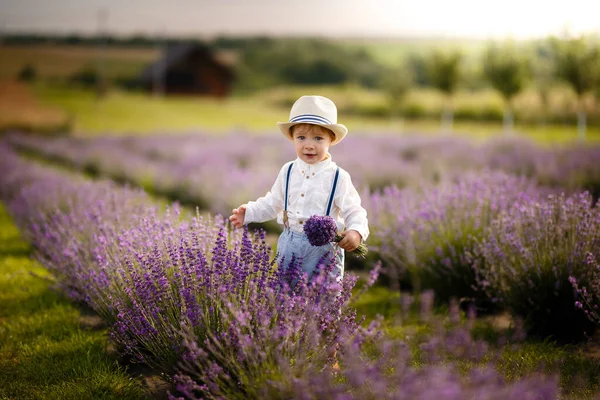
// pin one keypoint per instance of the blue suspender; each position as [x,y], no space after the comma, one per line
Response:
[332,195]
[287,186]
[287,189]
[285,201]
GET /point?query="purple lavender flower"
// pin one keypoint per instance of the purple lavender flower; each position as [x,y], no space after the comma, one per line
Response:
[588,296]
[322,229]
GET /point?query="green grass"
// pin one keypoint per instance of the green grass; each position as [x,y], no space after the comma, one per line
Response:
[135,113]
[577,368]
[578,374]
[45,353]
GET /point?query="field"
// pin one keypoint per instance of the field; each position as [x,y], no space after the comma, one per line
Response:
[443,233]
[116,257]
[56,62]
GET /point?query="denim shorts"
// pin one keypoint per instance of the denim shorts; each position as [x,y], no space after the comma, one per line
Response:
[296,244]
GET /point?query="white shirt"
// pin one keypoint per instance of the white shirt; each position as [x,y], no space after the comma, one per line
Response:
[309,190]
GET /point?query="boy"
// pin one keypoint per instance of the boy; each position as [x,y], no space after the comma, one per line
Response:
[311,184]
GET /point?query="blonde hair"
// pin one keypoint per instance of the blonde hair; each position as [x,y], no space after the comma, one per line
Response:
[304,128]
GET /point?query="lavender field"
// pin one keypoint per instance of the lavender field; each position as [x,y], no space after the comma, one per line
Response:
[502,226]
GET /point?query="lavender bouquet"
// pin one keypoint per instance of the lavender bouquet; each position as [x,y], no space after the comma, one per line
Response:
[321,230]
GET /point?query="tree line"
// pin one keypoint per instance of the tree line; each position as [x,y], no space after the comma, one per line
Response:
[506,66]
[574,61]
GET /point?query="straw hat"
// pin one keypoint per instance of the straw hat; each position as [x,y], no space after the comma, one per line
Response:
[316,110]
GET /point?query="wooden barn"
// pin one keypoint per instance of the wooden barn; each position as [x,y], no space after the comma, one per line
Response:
[189,69]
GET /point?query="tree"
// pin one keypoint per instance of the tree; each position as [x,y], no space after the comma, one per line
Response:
[87,76]
[27,74]
[396,83]
[507,71]
[542,68]
[417,65]
[577,62]
[444,73]
[90,78]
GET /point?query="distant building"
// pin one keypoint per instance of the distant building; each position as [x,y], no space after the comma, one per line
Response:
[190,69]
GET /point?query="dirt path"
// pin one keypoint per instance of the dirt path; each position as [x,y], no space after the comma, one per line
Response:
[20,110]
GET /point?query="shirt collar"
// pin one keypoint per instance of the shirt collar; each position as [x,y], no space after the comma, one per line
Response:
[314,168]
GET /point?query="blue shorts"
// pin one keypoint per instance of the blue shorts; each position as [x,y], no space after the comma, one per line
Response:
[296,244]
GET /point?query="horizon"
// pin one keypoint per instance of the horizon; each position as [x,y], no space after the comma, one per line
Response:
[201,36]
[337,19]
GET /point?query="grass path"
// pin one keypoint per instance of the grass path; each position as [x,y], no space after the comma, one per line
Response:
[45,352]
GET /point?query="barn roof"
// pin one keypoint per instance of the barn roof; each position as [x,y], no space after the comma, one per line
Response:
[176,52]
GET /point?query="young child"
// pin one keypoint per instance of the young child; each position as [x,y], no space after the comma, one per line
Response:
[311,184]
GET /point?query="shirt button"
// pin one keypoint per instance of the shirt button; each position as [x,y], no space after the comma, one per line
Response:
[301,222]
[313,174]
[302,195]
[308,177]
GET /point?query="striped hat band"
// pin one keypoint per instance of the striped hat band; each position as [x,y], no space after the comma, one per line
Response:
[310,118]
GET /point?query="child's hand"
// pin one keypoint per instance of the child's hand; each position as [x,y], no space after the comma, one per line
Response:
[239,214]
[350,241]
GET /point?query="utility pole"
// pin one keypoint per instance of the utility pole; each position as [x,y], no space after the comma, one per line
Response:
[102,33]
[158,74]
[2,22]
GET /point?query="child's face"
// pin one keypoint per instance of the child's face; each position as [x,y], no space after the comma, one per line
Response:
[311,142]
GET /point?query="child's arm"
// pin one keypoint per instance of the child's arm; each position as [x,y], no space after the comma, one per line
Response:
[352,212]
[238,216]
[264,208]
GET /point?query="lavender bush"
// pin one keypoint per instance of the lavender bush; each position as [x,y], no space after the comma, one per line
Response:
[431,235]
[268,343]
[230,301]
[529,253]
[372,367]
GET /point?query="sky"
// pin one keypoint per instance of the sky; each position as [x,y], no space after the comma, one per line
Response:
[518,19]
